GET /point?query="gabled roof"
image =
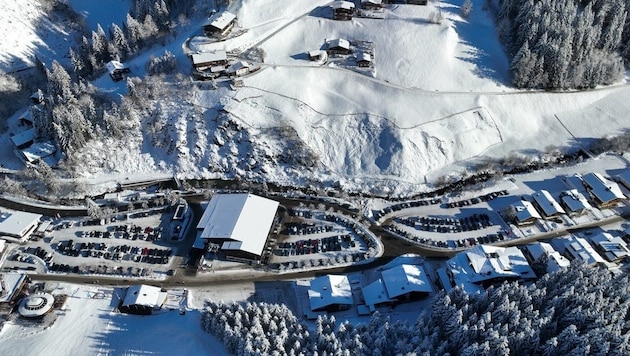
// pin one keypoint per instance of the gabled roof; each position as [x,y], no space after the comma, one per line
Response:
[237,65]
[206,57]
[243,218]
[364,56]
[604,190]
[346,5]
[485,262]
[330,290]
[113,66]
[339,42]
[148,296]
[613,248]
[547,203]
[574,201]
[375,293]
[525,211]
[555,260]
[577,248]
[404,279]
[40,150]
[220,20]
[10,283]
[23,137]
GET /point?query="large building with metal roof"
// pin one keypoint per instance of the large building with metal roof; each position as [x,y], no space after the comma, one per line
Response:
[239,223]
[17,226]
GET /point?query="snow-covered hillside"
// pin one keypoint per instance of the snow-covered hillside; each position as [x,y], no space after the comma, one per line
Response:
[437,97]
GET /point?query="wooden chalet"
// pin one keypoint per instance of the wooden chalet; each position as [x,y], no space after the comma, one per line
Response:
[342,10]
[219,23]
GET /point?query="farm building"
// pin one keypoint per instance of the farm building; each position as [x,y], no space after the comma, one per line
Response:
[142,299]
[205,60]
[330,293]
[116,70]
[239,223]
[604,193]
[17,226]
[219,23]
[23,139]
[342,10]
[547,204]
[338,46]
[364,59]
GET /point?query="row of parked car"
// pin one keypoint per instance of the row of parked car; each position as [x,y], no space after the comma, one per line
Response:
[305,228]
[404,205]
[446,225]
[449,244]
[477,200]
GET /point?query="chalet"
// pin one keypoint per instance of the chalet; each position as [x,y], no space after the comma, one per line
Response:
[342,10]
[604,193]
[330,293]
[338,46]
[219,24]
[372,4]
[484,265]
[574,202]
[555,261]
[239,223]
[364,59]
[577,248]
[523,213]
[613,249]
[547,204]
[37,97]
[624,179]
[205,60]
[142,299]
[39,152]
[238,69]
[117,70]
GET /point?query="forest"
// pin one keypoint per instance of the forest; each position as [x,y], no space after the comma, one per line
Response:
[564,44]
[576,311]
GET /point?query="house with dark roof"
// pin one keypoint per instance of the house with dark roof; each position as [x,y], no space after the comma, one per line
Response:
[604,193]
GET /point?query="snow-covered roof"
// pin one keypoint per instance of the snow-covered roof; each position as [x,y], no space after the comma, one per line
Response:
[555,260]
[18,223]
[220,20]
[36,305]
[234,67]
[404,279]
[339,42]
[624,178]
[525,211]
[574,201]
[244,218]
[375,293]
[39,150]
[23,137]
[485,262]
[113,66]
[144,295]
[9,285]
[547,203]
[603,190]
[330,290]
[209,57]
[364,56]
[577,248]
[613,248]
[346,5]
[375,2]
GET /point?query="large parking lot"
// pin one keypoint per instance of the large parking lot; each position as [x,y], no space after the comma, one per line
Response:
[140,246]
